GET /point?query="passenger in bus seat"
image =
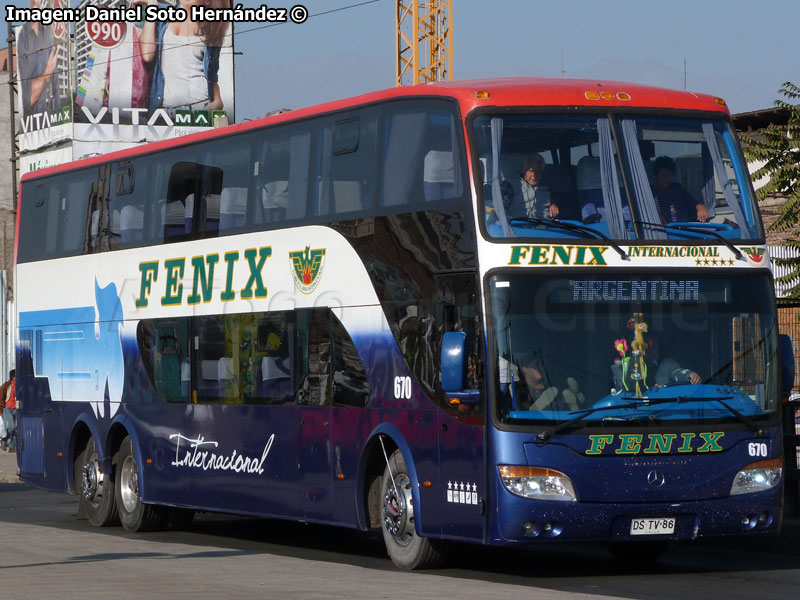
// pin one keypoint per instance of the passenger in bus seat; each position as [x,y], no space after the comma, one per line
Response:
[534,199]
[674,203]
[533,394]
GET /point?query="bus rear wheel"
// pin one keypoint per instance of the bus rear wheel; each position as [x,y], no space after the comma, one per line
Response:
[406,549]
[95,489]
[134,514]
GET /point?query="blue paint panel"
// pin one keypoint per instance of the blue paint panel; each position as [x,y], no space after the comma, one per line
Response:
[43,318]
[81,352]
[31,444]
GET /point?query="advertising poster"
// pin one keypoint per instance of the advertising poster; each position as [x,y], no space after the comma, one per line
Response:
[44,101]
[148,80]
[44,158]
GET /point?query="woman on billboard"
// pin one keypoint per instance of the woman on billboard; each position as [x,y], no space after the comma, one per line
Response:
[184,58]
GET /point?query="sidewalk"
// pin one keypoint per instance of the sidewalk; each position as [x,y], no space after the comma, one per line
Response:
[8,467]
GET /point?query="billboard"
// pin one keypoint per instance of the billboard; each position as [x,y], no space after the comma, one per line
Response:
[44,98]
[149,80]
[121,83]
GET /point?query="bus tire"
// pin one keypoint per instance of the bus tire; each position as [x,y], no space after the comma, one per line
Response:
[406,549]
[95,489]
[134,514]
[638,553]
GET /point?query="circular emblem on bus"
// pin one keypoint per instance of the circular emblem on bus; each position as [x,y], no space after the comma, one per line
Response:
[655,479]
[307,268]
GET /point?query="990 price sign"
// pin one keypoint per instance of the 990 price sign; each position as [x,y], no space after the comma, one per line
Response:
[106,34]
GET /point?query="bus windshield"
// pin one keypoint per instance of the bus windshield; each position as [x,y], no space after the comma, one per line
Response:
[614,174]
[633,350]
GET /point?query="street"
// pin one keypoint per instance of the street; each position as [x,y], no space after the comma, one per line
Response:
[46,553]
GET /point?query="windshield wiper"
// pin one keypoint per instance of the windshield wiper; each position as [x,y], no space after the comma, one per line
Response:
[544,436]
[575,227]
[710,232]
[747,421]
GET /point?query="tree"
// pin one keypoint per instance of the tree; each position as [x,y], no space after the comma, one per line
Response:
[779,147]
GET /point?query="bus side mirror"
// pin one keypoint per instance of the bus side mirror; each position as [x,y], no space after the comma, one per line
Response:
[453,355]
[787,364]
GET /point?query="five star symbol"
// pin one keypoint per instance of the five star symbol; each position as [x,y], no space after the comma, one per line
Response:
[714,262]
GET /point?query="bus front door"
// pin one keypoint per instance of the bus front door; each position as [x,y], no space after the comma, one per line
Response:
[462,432]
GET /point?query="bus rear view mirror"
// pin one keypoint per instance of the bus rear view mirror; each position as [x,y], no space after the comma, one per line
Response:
[787,366]
[453,345]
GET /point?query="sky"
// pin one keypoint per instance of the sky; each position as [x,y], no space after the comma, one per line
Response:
[739,50]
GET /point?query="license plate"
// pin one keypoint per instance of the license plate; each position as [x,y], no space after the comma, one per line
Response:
[653,526]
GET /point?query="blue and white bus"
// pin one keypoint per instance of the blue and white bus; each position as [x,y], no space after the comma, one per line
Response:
[469,311]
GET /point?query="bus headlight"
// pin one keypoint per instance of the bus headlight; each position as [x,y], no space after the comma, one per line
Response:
[757,477]
[537,482]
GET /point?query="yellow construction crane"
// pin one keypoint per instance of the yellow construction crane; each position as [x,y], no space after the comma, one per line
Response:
[424,41]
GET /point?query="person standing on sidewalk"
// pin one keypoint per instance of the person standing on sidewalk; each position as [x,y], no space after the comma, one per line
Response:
[9,400]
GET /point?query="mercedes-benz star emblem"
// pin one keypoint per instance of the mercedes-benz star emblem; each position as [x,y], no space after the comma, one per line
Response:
[655,479]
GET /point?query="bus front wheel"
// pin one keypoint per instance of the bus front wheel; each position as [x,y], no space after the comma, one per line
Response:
[406,549]
[134,514]
[95,489]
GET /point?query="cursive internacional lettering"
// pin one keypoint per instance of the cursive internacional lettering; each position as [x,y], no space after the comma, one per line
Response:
[196,454]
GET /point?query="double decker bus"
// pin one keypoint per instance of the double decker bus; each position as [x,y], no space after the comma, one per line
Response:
[508,312]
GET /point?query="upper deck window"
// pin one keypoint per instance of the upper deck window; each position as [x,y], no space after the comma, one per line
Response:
[565,176]
[383,159]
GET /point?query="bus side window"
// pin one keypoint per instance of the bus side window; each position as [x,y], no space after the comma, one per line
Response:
[128,204]
[456,299]
[273,355]
[103,221]
[281,166]
[420,159]
[172,203]
[346,165]
[224,185]
[314,355]
[349,380]
[164,347]
[216,351]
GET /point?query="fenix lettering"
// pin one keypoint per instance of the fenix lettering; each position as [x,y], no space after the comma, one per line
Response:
[655,443]
[203,268]
[558,255]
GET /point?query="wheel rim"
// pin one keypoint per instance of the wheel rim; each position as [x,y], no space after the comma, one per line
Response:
[398,509]
[129,484]
[92,480]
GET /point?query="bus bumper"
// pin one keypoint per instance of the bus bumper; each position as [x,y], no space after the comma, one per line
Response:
[519,520]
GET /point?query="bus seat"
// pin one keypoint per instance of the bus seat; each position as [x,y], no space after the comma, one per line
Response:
[131,224]
[439,175]
[177,216]
[225,368]
[94,227]
[232,208]
[590,191]
[275,200]
[275,377]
